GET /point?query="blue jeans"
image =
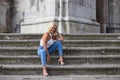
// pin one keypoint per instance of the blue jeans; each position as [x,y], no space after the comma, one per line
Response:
[42,53]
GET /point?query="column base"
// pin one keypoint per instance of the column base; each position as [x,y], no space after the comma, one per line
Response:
[65,25]
[83,28]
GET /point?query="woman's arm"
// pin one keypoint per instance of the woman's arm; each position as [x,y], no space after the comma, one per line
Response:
[58,36]
[45,38]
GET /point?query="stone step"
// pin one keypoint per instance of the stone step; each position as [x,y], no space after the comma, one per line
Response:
[92,43]
[83,36]
[83,59]
[85,69]
[15,43]
[66,43]
[60,77]
[66,50]
[93,36]
[84,54]
[19,36]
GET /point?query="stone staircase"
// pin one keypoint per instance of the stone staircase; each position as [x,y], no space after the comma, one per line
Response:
[84,54]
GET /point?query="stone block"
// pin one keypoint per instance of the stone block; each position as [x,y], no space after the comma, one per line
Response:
[35,28]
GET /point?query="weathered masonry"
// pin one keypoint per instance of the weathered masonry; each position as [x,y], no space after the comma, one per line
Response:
[72,16]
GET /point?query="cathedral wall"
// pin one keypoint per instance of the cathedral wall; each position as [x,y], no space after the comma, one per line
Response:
[114,16]
[4,16]
[72,16]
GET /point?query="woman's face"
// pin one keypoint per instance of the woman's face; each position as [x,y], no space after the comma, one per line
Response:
[53,29]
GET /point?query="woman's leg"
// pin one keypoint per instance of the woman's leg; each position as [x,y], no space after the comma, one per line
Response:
[42,54]
[57,45]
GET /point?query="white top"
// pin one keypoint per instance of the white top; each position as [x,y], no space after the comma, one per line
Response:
[49,43]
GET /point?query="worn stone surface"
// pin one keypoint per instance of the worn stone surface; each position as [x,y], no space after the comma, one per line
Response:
[70,77]
[4,7]
[67,13]
[114,17]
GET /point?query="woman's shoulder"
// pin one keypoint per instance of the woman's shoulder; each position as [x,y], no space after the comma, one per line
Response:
[46,34]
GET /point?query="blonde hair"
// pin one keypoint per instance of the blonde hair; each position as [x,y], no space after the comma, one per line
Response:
[51,25]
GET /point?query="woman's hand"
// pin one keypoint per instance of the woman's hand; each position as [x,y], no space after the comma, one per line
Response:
[48,58]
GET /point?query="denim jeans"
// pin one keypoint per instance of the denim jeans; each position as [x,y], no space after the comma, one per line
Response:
[42,53]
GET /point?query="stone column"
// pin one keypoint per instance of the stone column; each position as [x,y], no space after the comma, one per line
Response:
[113,16]
[4,16]
[102,14]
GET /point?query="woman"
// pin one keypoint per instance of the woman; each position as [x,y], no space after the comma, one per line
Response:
[49,42]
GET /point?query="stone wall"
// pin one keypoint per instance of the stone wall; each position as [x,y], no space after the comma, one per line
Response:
[4,15]
[114,16]
[82,16]
[72,16]
[37,16]
[19,9]
[76,16]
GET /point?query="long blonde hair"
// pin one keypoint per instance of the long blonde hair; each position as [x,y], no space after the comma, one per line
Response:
[51,25]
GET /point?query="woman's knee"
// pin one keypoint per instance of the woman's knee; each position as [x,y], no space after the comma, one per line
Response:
[59,42]
[42,52]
